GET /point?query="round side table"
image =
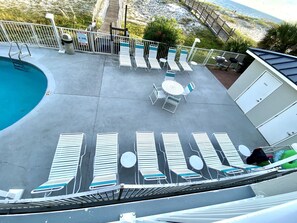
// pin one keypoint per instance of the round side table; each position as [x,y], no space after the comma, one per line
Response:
[244,150]
[128,159]
[163,61]
[196,162]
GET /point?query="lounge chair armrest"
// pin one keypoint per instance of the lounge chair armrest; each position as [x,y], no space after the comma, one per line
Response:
[103,181]
[190,176]
[52,185]
[232,171]
[154,177]
[97,185]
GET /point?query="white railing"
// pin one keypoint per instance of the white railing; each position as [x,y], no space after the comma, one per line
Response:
[127,193]
[103,43]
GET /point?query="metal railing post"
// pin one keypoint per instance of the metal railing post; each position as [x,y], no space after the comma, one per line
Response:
[51,18]
[197,40]
[92,41]
[4,31]
[35,35]
[121,191]
[207,57]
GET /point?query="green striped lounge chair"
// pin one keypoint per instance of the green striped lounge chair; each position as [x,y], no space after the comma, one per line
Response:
[171,60]
[105,171]
[210,156]
[175,157]
[147,156]
[65,163]
[231,153]
[183,60]
[152,58]
[139,56]
[124,55]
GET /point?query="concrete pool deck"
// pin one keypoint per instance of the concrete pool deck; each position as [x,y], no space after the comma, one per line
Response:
[89,93]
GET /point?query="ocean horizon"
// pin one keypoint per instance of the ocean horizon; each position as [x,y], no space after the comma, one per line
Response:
[245,10]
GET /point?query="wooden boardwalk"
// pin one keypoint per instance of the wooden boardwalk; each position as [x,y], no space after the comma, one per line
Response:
[112,15]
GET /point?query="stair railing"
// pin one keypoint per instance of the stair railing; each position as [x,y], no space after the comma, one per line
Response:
[21,55]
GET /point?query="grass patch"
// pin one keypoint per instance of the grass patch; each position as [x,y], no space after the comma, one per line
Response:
[239,35]
[228,18]
[80,21]
[135,30]
[207,38]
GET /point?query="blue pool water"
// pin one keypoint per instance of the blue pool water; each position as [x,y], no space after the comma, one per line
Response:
[20,91]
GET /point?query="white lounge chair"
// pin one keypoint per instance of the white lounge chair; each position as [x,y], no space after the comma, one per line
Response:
[139,56]
[209,154]
[183,60]
[230,152]
[147,156]
[106,161]
[188,89]
[65,163]
[124,55]
[171,60]
[175,157]
[152,58]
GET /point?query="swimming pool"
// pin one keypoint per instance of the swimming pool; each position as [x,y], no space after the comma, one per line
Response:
[20,90]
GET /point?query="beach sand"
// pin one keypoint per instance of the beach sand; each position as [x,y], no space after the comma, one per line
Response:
[142,11]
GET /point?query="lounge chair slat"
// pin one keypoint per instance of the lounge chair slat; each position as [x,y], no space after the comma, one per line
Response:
[105,171]
[147,156]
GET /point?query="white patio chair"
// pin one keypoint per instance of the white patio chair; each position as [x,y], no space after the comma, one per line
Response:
[188,89]
[183,60]
[152,58]
[65,163]
[171,60]
[147,156]
[171,103]
[230,152]
[209,154]
[105,161]
[139,56]
[156,94]
[124,55]
[175,157]
[169,75]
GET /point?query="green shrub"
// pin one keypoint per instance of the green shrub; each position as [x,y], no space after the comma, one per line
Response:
[163,30]
[135,30]
[237,45]
[282,38]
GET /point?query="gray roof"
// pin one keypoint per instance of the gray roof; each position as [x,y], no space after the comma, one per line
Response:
[285,64]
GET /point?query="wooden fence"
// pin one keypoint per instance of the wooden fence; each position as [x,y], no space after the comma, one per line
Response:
[210,18]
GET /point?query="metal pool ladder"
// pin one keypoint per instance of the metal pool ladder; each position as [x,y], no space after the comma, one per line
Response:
[18,63]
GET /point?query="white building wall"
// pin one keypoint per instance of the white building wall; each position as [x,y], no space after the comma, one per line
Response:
[270,106]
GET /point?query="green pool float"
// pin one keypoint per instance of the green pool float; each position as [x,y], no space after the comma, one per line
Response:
[287,154]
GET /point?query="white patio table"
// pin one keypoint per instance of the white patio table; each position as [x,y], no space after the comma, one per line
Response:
[172,87]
